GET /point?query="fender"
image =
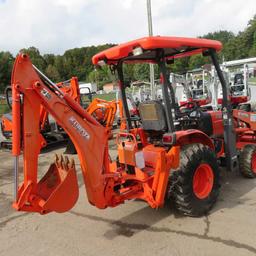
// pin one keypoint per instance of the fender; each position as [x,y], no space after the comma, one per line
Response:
[193,136]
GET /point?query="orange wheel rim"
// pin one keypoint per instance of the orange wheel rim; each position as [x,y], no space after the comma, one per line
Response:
[203,181]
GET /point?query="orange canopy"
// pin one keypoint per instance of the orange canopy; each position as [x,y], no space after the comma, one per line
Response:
[174,47]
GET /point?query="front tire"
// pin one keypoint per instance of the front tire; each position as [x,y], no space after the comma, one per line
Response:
[194,187]
[247,161]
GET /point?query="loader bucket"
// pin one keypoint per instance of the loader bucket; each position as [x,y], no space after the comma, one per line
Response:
[58,188]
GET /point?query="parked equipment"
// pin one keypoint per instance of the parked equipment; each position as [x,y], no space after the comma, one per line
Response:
[51,133]
[197,87]
[158,163]
[104,111]
[237,76]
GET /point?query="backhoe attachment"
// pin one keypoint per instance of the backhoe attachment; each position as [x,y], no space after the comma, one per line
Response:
[58,189]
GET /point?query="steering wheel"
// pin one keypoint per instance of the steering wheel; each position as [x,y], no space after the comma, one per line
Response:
[188,110]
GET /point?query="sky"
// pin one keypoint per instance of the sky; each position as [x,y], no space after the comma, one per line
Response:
[54,26]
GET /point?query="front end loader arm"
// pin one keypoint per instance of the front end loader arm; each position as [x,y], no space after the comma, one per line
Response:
[58,189]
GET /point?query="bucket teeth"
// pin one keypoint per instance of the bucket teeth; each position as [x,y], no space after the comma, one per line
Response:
[57,160]
[72,163]
[64,162]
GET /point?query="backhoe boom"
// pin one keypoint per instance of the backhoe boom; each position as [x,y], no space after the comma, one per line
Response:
[86,134]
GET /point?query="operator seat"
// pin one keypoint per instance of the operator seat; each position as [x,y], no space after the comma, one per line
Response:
[153,116]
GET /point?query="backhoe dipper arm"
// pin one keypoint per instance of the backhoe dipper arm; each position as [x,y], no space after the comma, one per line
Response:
[58,189]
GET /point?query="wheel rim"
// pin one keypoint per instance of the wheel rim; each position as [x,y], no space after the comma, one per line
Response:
[254,162]
[203,181]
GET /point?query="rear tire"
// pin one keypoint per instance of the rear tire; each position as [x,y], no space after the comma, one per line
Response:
[247,161]
[194,187]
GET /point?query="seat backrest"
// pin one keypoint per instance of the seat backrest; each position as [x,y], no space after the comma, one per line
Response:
[152,116]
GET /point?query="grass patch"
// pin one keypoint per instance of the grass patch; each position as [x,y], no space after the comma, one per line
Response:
[3,109]
[107,96]
[252,80]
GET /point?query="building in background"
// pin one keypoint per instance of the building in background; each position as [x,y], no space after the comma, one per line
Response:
[110,87]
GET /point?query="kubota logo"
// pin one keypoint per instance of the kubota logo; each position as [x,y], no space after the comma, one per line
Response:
[79,128]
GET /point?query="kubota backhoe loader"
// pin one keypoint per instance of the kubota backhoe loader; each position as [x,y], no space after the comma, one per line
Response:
[147,156]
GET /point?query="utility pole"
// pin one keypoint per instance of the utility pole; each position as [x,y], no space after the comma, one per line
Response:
[151,66]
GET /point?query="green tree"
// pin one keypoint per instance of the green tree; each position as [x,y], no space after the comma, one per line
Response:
[49,59]
[36,58]
[52,72]
[59,64]
[6,63]
[180,65]
[101,76]
[141,72]
[197,61]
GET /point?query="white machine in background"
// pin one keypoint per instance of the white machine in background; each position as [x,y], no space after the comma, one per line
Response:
[197,87]
[85,87]
[237,76]
[141,91]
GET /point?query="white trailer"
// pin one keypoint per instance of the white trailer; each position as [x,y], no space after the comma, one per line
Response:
[87,88]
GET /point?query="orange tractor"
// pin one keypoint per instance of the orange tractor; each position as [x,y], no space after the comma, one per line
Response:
[104,112]
[158,162]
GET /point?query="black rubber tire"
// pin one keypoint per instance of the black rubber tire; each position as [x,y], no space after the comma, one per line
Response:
[245,161]
[180,187]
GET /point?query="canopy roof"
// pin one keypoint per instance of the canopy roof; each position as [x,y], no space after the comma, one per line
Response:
[174,47]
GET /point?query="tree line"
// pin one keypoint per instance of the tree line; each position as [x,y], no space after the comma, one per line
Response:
[77,62]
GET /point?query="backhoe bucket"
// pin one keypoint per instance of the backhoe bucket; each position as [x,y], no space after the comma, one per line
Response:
[58,188]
